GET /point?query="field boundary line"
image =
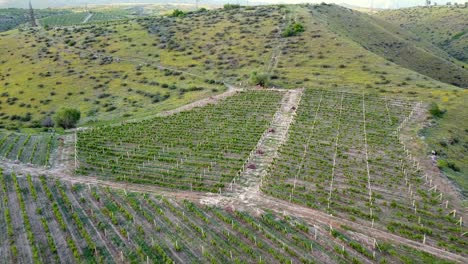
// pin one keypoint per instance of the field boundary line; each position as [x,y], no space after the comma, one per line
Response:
[306,146]
[336,151]
[367,157]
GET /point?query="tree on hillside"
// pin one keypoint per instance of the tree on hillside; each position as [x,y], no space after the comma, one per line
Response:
[178,13]
[261,79]
[67,117]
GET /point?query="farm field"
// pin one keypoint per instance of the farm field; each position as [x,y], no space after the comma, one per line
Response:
[203,149]
[27,148]
[81,17]
[74,223]
[64,20]
[134,133]
[11,18]
[343,156]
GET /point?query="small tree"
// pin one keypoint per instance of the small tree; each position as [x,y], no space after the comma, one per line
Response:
[261,79]
[67,117]
[178,13]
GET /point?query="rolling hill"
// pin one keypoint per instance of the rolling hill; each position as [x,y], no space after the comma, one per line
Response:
[393,43]
[445,27]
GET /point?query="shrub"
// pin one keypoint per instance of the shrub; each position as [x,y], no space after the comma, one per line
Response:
[67,117]
[435,111]
[178,13]
[261,79]
[293,30]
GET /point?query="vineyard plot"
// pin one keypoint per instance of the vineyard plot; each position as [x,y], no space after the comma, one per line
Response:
[61,222]
[343,156]
[202,149]
[27,148]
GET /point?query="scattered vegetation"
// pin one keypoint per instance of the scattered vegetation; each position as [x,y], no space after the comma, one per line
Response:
[443,26]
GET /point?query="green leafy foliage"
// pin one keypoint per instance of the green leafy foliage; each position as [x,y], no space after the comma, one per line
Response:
[435,111]
[178,13]
[293,30]
[261,79]
[67,117]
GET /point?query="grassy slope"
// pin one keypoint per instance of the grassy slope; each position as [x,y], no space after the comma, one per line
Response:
[445,27]
[393,43]
[320,57]
[37,67]
[448,136]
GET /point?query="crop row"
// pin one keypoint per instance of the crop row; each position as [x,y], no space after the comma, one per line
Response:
[202,149]
[343,156]
[75,223]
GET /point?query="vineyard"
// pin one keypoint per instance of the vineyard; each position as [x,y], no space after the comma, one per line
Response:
[27,148]
[78,18]
[344,157]
[75,223]
[202,149]
[64,20]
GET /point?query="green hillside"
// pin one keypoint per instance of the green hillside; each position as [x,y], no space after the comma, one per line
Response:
[393,43]
[445,27]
